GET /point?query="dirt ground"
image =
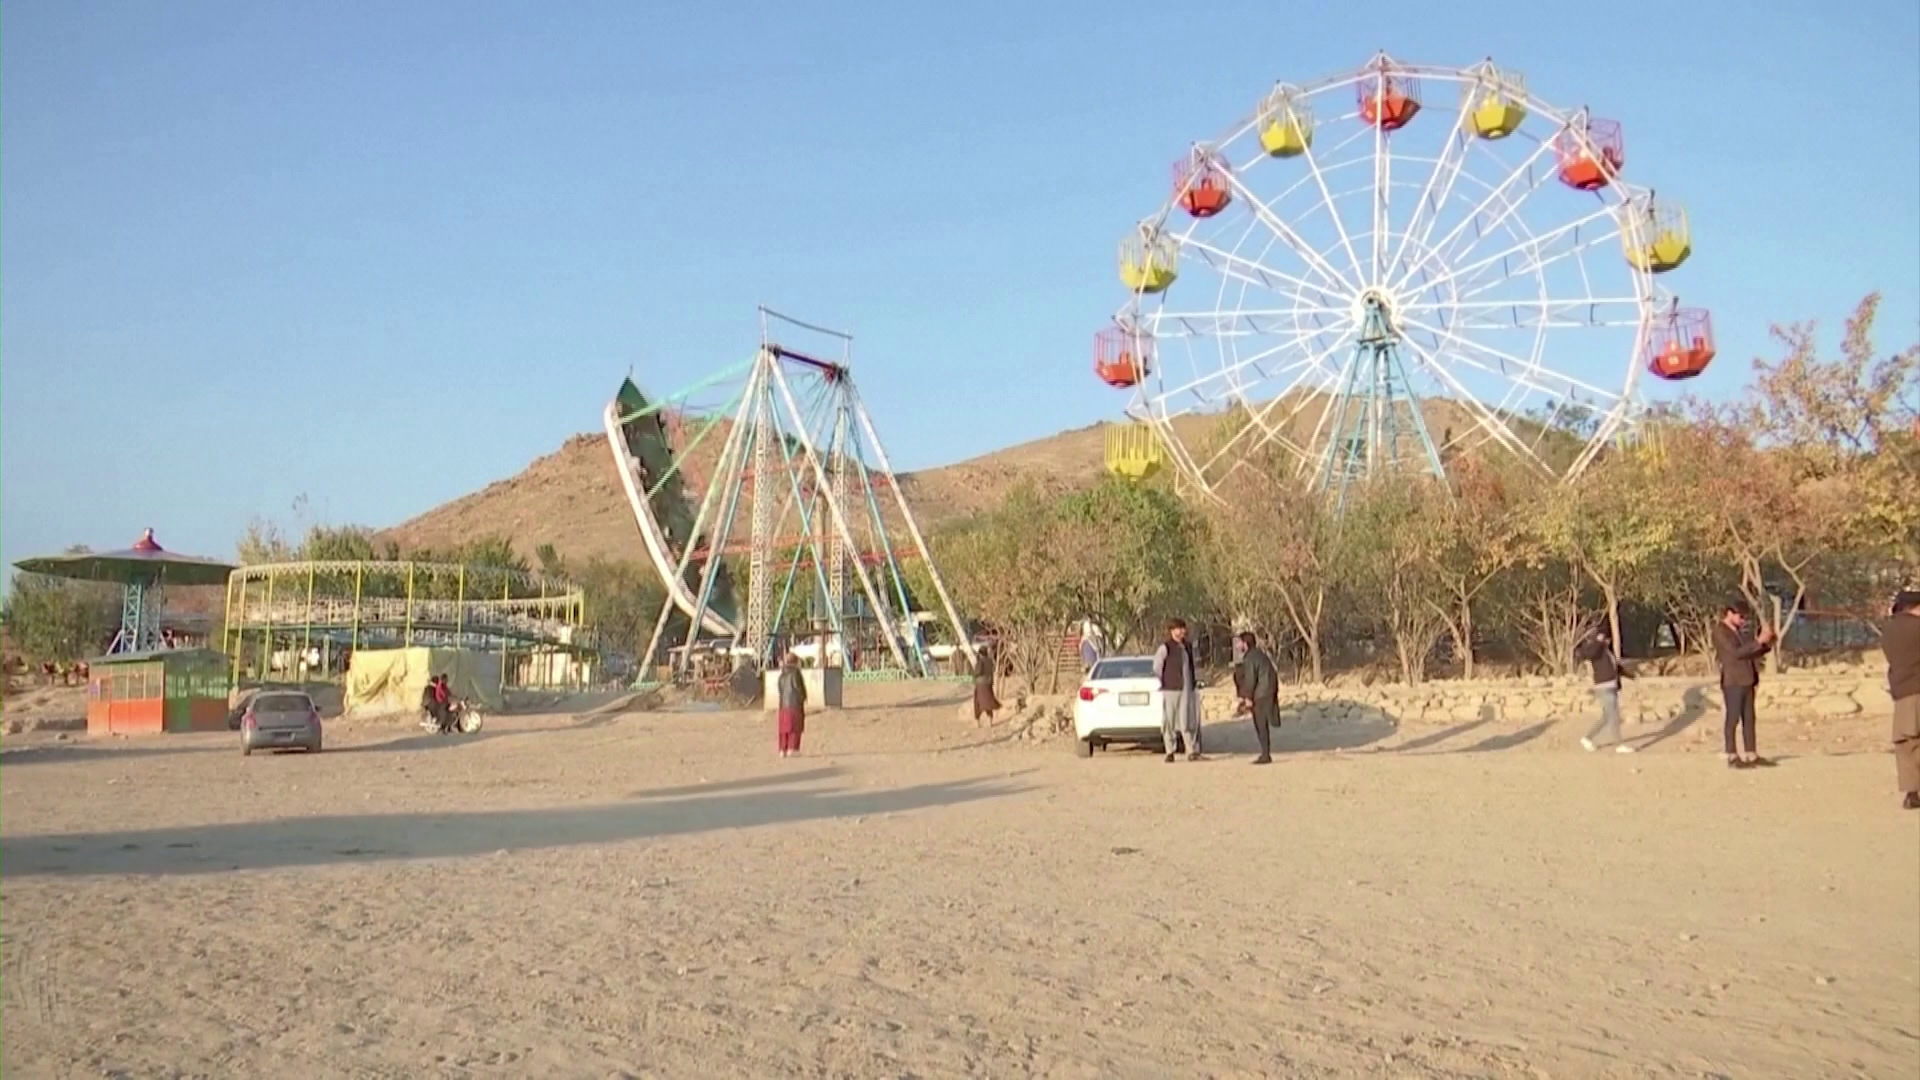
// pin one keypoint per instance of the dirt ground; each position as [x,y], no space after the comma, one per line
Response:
[658,895]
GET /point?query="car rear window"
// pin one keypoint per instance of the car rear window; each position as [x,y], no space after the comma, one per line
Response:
[282,703]
[1132,667]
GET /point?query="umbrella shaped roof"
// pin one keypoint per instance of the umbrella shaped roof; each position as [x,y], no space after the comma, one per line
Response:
[145,563]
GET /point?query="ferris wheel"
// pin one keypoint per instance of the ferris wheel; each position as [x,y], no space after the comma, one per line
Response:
[1380,270]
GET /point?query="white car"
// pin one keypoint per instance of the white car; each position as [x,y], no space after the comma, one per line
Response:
[1119,701]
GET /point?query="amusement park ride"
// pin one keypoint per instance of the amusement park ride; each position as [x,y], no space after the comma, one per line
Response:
[799,450]
[1350,269]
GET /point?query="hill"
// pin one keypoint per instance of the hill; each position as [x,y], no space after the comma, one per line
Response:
[572,497]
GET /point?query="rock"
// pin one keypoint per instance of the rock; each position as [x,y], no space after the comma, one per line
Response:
[1835,705]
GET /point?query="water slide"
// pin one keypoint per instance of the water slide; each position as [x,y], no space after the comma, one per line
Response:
[641,455]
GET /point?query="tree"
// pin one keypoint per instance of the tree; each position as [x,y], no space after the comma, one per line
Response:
[1773,527]
[263,542]
[1542,604]
[1611,526]
[53,619]
[1274,549]
[1009,568]
[622,602]
[1476,539]
[1848,426]
[1390,549]
[1132,557]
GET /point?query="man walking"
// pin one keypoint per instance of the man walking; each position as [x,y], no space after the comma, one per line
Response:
[1739,658]
[1258,682]
[1179,691]
[1597,649]
[1900,640]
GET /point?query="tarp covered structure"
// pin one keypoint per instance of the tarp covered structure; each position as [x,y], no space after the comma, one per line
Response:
[386,681]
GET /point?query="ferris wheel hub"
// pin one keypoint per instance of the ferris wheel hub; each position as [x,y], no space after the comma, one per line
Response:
[1373,314]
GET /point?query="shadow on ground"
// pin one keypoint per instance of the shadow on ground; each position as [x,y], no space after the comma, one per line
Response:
[429,740]
[1693,705]
[936,694]
[105,749]
[319,841]
[1296,734]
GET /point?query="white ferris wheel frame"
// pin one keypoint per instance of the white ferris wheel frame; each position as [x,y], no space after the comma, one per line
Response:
[1312,318]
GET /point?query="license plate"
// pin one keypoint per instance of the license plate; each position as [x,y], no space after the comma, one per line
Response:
[1134,698]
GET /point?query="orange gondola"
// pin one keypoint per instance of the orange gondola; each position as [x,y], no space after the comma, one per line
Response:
[1680,345]
[1200,183]
[1591,153]
[1122,356]
[1389,99]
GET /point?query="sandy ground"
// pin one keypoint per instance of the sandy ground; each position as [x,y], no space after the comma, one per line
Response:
[656,894]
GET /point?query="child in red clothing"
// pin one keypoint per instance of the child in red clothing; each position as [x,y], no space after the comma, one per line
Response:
[792,690]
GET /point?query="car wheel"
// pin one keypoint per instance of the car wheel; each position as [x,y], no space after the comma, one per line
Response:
[313,747]
[1083,748]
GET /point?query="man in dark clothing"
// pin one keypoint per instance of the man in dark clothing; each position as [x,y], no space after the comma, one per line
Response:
[430,703]
[442,707]
[1739,658]
[1597,649]
[1257,682]
[1900,640]
[985,703]
[1179,676]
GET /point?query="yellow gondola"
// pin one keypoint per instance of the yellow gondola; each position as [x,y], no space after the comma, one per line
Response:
[1286,123]
[1149,261]
[1657,237]
[1495,102]
[1133,451]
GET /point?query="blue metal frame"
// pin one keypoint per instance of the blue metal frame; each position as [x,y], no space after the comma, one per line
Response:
[1372,391]
[140,604]
[886,545]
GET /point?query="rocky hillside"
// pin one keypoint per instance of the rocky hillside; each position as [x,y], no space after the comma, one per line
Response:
[572,497]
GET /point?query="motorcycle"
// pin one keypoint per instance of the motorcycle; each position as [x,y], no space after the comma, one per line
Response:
[466,720]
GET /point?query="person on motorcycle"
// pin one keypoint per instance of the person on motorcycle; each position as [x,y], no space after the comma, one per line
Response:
[437,700]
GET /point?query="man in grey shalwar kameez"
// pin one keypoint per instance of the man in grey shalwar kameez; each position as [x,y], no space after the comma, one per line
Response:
[1179,691]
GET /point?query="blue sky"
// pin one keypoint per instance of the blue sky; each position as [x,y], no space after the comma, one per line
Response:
[383,254]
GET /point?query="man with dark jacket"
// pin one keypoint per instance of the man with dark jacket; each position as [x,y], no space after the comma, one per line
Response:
[1900,640]
[1257,681]
[437,701]
[1597,649]
[1179,679]
[1739,657]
